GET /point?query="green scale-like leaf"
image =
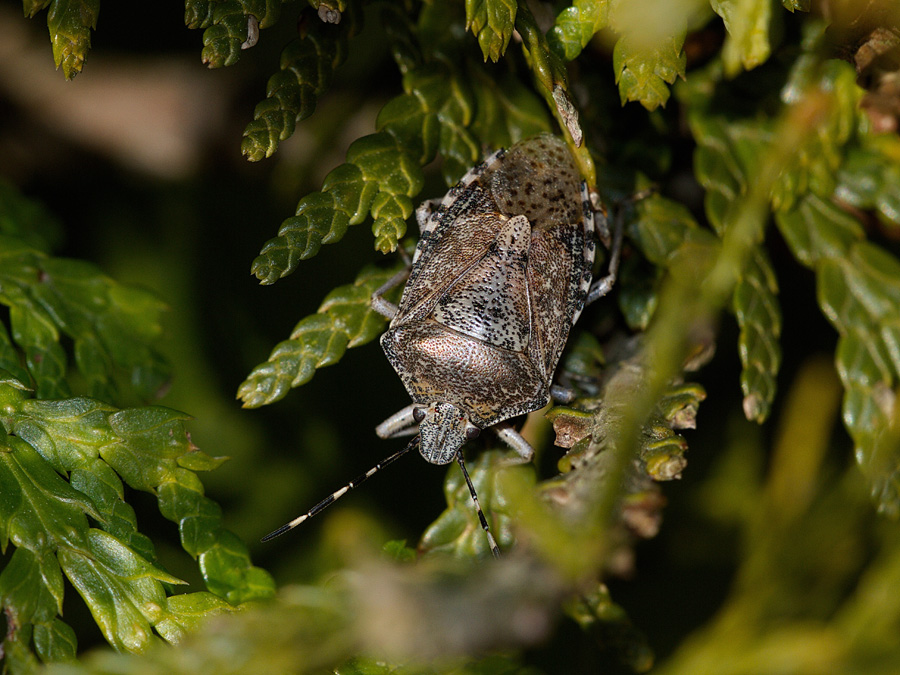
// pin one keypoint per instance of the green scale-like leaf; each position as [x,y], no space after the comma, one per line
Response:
[748,26]
[70,23]
[644,72]
[857,281]
[122,590]
[664,229]
[226,26]
[755,305]
[198,13]
[307,65]
[458,529]
[345,319]
[382,174]
[869,176]
[492,22]
[576,25]
[223,39]
[859,292]
[383,171]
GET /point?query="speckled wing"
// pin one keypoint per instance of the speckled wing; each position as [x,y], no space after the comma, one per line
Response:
[490,301]
[457,236]
[539,179]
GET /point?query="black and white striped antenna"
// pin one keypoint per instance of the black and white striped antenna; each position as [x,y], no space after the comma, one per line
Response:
[356,482]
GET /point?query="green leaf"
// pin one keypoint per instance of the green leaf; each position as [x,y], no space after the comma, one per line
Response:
[112,326]
[32,584]
[817,229]
[859,293]
[226,26]
[583,358]
[55,642]
[112,568]
[187,612]
[96,479]
[66,432]
[457,530]
[226,567]
[755,304]
[307,66]
[547,66]
[36,503]
[198,13]
[228,30]
[122,590]
[70,23]
[576,25]
[149,440]
[645,71]
[748,25]
[379,176]
[492,22]
[32,7]
[345,319]
[869,177]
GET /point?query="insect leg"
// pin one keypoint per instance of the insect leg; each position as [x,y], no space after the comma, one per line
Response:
[423,213]
[604,285]
[484,524]
[252,32]
[515,440]
[562,393]
[334,496]
[400,423]
[382,306]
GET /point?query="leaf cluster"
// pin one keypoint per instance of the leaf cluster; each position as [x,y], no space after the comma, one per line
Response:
[65,460]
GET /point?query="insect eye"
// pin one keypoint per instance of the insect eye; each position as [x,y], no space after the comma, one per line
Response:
[418,414]
[472,433]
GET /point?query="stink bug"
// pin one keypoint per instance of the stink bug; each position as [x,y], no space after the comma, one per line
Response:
[500,273]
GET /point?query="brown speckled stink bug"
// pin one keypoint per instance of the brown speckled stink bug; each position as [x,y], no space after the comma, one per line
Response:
[501,272]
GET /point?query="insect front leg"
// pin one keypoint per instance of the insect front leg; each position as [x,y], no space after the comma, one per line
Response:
[401,423]
[423,213]
[382,306]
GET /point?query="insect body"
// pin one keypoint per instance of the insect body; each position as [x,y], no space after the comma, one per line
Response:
[501,272]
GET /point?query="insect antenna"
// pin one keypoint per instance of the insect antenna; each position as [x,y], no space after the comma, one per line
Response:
[484,524]
[334,496]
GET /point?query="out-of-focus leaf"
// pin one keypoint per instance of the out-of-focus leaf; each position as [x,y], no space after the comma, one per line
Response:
[649,55]
[859,293]
[113,327]
[645,75]
[748,26]
[458,529]
[576,25]
[756,308]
